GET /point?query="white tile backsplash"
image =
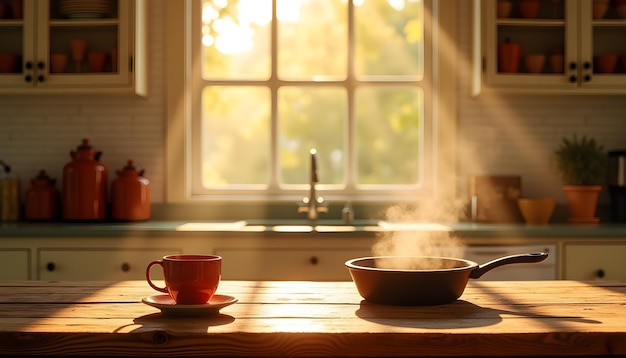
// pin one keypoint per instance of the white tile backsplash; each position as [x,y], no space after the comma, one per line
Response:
[498,134]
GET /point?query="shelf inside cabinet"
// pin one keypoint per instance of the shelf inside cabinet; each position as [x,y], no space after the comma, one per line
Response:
[84,23]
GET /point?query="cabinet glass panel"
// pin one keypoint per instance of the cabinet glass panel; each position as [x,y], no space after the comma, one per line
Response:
[11,40]
[84,36]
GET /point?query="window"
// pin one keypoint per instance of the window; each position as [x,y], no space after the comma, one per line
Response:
[265,81]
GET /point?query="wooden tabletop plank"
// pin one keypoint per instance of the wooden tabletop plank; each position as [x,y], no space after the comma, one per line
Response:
[315,318]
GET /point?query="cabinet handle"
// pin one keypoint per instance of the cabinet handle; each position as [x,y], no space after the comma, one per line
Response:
[572,78]
[587,78]
[28,78]
[51,266]
[587,65]
[29,65]
[572,65]
[125,267]
[41,78]
[600,273]
[41,65]
[314,260]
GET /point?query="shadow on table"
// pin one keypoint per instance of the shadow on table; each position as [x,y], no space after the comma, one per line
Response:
[155,321]
[459,314]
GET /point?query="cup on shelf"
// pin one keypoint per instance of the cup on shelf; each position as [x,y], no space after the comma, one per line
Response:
[17,9]
[9,63]
[189,279]
[557,63]
[58,62]
[504,8]
[529,9]
[96,61]
[534,62]
[599,8]
[604,63]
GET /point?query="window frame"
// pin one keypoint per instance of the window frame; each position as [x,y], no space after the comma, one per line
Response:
[442,182]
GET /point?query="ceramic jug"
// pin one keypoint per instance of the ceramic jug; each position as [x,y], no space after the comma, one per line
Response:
[84,185]
[41,201]
[130,194]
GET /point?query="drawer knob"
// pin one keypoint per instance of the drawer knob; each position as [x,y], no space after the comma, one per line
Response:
[313,260]
[51,266]
[600,273]
[125,267]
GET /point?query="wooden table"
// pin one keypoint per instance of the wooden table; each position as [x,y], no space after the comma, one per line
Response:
[548,318]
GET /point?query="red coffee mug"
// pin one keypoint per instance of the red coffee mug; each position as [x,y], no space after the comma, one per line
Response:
[189,279]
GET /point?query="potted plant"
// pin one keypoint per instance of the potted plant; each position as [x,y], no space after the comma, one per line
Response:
[581,162]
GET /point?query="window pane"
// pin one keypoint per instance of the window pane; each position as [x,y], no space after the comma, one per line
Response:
[388,123]
[389,38]
[235,135]
[304,30]
[312,117]
[236,39]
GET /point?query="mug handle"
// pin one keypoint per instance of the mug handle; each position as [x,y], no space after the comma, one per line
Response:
[160,289]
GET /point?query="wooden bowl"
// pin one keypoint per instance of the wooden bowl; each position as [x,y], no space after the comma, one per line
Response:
[536,211]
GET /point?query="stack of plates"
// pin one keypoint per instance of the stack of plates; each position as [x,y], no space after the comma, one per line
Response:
[84,8]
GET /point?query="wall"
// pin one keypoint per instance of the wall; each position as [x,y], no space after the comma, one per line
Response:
[498,134]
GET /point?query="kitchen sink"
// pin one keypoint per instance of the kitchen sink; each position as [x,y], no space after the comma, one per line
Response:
[260,225]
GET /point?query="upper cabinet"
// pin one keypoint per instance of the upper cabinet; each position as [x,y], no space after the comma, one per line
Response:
[72,46]
[558,46]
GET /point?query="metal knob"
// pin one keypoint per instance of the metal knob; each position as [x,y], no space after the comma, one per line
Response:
[572,78]
[600,273]
[51,266]
[314,260]
[572,65]
[125,267]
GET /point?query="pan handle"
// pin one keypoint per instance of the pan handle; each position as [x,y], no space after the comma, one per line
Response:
[513,259]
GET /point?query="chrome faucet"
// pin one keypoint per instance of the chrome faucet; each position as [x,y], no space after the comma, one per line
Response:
[313,205]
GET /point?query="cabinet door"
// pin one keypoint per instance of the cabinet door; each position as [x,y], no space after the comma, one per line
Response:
[592,262]
[16,46]
[99,264]
[93,41]
[551,34]
[287,264]
[14,264]
[602,45]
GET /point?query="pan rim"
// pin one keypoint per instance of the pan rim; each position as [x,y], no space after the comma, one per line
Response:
[352,264]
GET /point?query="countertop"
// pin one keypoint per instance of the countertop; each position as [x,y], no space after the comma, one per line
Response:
[358,228]
[288,318]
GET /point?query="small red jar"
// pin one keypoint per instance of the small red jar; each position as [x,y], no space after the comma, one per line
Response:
[130,194]
[41,201]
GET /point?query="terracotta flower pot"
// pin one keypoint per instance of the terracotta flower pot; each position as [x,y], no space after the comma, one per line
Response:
[582,201]
[509,55]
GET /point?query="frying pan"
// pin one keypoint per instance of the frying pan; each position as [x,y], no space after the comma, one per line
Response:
[429,280]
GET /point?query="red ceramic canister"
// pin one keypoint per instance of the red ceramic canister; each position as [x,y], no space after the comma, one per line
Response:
[84,185]
[41,201]
[130,194]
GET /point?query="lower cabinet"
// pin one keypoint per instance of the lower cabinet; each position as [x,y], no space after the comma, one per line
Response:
[596,261]
[107,264]
[15,264]
[311,264]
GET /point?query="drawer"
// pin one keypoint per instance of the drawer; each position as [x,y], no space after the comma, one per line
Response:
[99,264]
[592,262]
[287,264]
[15,264]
